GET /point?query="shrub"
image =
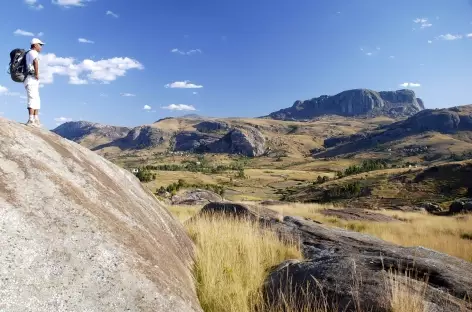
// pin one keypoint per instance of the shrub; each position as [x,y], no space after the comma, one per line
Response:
[145,176]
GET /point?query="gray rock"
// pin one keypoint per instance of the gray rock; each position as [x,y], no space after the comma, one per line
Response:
[212,126]
[354,103]
[246,141]
[78,233]
[193,141]
[461,206]
[196,197]
[431,207]
[143,137]
[350,270]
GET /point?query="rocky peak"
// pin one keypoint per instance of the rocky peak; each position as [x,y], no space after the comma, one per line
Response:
[357,102]
[76,130]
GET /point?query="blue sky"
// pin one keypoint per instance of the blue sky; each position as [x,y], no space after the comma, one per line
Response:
[140,61]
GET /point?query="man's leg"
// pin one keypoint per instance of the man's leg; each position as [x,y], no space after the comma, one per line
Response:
[36,117]
[31,116]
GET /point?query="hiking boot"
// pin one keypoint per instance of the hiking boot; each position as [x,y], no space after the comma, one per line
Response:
[30,123]
[37,123]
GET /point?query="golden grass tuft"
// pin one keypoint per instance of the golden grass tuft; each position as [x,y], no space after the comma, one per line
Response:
[233,259]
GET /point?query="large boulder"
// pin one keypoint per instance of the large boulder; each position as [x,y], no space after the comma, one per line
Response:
[461,206]
[350,271]
[78,233]
[246,141]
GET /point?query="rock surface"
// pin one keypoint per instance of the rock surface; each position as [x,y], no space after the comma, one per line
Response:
[351,268]
[431,207]
[461,206]
[356,102]
[81,234]
[246,141]
[212,126]
[196,197]
[188,141]
[143,137]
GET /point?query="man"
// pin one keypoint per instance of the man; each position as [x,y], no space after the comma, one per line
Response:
[32,82]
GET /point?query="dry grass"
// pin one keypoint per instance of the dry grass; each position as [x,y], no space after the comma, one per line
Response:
[444,234]
[233,259]
[183,213]
[405,293]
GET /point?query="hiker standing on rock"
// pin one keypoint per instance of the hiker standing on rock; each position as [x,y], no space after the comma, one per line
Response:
[32,82]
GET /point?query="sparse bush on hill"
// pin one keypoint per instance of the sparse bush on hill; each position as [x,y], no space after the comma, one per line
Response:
[321,180]
[145,175]
[181,184]
[366,166]
[202,165]
[346,191]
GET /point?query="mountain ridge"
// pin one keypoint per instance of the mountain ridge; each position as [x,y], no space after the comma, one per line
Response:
[355,102]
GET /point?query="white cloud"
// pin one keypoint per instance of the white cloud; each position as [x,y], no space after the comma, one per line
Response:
[103,95]
[410,85]
[430,41]
[3,89]
[83,40]
[103,71]
[127,94]
[147,107]
[180,107]
[190,52]
[183,85]
[469,35]
[40,34]
[70,3]
[392,56]
[195,93]
[450,37]
[339,12]
[112,14]
[369,53]
[21,32]
[34,4]
[61,120]
[423,22]
[378,48]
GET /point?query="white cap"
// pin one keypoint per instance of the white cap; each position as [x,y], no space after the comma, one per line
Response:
[37,41]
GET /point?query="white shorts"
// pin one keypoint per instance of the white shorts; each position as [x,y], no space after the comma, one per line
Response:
[32,92]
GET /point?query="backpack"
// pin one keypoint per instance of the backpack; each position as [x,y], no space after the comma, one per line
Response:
[18,69]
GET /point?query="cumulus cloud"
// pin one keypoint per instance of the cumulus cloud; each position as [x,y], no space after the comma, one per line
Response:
[83,40]
[112,14]
[33,4]
[195,93]
[180,107]
[182,85]
[369,53]
[190,52]
[147,107]
[61,120]
[469,35]
[70,3]
[392,56]
[3,90]
[450,37]
[21,32]
[424,23]
[410,85]
[127,94]
[430,41]
[86,71]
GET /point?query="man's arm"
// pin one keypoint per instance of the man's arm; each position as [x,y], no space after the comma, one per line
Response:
[36,68]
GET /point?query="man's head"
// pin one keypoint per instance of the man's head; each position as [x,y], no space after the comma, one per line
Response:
[36,44]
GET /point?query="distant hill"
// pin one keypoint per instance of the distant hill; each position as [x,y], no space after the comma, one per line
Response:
[439,131]
[246,136]
[358,102]
[90,134]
